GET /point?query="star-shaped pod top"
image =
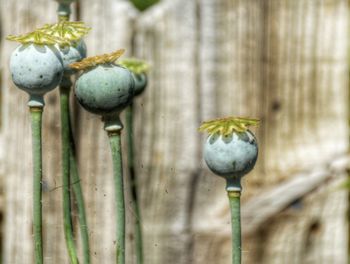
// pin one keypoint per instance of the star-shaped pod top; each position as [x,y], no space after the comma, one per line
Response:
[91,62]
[38,37]
[228,126]
[68,30]
[134,65]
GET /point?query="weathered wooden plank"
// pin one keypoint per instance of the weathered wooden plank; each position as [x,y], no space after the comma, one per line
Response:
[111,23]
[18,246]
[167,117]
[259,209]
[17,142]
[282,61]
[232,32]
[272,60]
[314,230]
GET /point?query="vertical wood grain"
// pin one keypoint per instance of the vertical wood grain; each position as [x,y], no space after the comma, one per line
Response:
[111,23]
[284,62]
[166,121]
[17,141]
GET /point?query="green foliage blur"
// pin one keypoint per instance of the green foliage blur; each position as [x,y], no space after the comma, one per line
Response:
[143,4]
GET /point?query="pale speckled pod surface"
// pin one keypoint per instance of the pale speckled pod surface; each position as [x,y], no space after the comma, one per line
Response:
[37,69]
[71,54]
[141,81]
[231,156]
[105,89]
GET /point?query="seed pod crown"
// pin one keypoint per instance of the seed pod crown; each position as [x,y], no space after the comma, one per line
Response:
[38,37]
[71,31]
[228,125]
[135,66]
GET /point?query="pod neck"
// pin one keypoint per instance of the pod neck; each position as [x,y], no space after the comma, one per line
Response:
[36,101]
[66,82]
[112,124]
[63,11]
[233,184]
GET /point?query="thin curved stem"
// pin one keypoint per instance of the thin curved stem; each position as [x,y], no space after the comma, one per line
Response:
[75,179]
[79,197]
[36,117]
[114,140]
[68,228]
[133,186]
[235,206]
[63,15]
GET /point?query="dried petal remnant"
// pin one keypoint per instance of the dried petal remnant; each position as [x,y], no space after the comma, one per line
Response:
[90,62]
[227,126]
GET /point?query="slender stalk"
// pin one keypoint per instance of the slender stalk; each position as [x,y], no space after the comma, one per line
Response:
[235,200]
[114,140]
[36,117]
[133,186]
[78,194]
[68,228]
[74,174]
[63,11]
[63,15]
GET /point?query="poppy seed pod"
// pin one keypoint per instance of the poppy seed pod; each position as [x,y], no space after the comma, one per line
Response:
[70,54]
[140,82]
[231,156]
[139,71]
[36,69]
[231,150]
[105,89]
[81,47]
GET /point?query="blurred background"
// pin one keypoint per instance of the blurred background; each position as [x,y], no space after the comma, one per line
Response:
[285,62]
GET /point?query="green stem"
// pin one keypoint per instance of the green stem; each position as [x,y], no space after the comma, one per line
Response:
[63,15]
[63,11]
[78,194]
[68,228]
[36,116]
[235,200]
[133,186]
[74,174]
[114,140]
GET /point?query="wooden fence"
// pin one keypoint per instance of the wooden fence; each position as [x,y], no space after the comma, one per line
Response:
[285,62]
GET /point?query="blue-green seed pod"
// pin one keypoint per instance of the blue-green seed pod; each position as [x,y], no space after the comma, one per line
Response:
[81,47]
[71,54]
[105,89]
[36,69]
[140,82]
[231,156]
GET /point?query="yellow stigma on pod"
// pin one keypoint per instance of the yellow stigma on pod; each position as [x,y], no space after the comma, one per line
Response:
[134,65]
[68,30]
[227,126]
[90,62]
